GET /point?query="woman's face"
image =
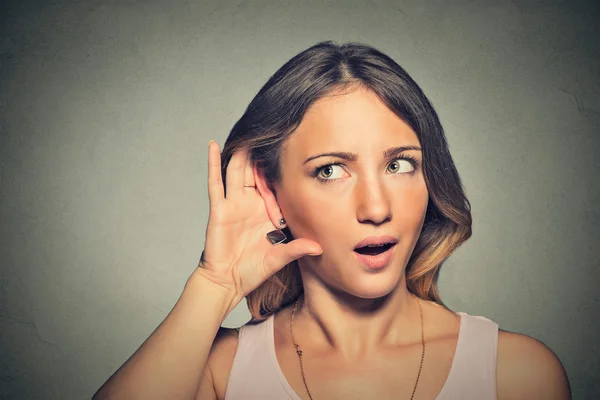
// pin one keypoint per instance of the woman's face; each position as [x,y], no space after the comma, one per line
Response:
[339,201]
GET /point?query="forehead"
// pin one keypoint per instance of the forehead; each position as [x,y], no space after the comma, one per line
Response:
[349,121]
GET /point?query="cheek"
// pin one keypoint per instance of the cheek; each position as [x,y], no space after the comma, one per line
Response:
[315,219]
[301,213]
[411,207]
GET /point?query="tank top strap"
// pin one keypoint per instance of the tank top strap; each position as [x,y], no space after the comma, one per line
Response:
[252,374]
[473,371]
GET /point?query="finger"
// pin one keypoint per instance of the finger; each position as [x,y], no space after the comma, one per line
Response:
[215,180]
[285,253]
[235,173]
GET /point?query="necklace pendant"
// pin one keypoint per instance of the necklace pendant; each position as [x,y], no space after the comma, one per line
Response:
[299,352]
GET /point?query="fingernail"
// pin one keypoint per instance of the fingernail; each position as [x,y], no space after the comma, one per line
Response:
[209,142]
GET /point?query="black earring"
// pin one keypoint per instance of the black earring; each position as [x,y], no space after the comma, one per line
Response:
[277,236]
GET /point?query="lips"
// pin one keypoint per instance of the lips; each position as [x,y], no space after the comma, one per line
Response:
[375,252]
[377,261]
[375,241]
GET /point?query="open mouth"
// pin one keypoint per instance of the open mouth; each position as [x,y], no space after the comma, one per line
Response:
[373,250]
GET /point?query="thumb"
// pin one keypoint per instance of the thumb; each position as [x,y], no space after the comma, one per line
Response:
[285,253]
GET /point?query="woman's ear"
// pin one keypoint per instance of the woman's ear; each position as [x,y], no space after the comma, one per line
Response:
[268,196]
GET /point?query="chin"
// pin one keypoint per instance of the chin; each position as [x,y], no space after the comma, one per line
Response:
[360,281]
[372,286]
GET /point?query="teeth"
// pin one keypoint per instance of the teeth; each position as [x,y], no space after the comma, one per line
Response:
[375,245]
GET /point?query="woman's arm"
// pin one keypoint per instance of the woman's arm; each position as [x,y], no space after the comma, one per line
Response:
[237,258]
[171,363]
[528,369]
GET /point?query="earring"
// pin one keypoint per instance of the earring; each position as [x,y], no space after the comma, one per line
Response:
[277,236]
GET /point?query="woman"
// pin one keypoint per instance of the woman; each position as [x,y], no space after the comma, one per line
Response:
[343,154]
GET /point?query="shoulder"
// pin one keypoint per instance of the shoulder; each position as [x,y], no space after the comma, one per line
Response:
[528,369]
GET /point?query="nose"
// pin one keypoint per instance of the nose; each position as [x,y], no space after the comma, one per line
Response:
[373,202]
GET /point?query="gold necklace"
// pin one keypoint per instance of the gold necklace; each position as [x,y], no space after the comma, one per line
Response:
[299,352]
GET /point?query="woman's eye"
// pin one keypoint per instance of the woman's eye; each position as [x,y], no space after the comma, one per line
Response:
[401,166]
[328,171]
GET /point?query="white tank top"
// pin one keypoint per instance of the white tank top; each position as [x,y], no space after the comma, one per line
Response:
[256,373]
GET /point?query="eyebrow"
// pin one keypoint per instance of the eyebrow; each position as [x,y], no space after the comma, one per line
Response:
[353,157]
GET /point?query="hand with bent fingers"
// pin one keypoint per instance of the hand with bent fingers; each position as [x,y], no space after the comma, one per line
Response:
[237,255]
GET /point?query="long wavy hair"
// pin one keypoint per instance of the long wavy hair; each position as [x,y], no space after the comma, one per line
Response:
[277,110]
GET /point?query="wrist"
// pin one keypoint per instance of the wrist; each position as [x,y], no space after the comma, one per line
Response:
[203,284]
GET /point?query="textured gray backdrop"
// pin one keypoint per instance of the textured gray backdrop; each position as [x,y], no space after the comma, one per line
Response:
[107,108]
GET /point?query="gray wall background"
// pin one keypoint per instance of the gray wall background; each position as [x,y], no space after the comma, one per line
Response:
[107,108]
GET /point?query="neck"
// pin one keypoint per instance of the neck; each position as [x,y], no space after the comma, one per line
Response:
[355,327]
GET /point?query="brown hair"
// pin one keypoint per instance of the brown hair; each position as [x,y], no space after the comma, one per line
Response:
[277,110]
